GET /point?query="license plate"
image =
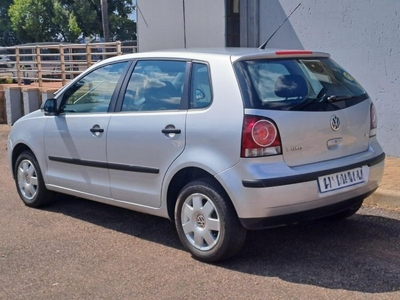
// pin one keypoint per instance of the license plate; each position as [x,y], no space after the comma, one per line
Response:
[341,180]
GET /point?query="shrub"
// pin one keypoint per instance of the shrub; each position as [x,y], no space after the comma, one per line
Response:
[5,80]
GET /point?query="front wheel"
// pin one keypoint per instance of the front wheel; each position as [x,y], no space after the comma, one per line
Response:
[29,181]
[207,223]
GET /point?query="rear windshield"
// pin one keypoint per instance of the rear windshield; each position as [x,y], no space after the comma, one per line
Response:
[297,84]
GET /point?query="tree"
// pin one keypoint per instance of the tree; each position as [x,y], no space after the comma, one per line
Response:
[122,29]
[89,17]
[87,14]
[32,20]
[7,35]
[68,20]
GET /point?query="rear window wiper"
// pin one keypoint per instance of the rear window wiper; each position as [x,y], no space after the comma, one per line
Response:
[323,98]
[334,98]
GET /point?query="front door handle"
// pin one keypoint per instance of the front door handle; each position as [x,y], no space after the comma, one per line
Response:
[96,130]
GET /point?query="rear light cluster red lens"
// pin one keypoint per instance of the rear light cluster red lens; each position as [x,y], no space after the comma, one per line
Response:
[373,121]
[260,137]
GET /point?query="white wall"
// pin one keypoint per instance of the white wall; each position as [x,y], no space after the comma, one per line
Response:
[160,24]
[363,36]
[205,23]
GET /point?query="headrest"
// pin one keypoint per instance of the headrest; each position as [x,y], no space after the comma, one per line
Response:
[289,86]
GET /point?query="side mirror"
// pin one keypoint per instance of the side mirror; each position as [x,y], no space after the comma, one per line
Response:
[50,107]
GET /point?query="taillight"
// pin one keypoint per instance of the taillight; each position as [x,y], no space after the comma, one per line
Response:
[373,121]
[260,137]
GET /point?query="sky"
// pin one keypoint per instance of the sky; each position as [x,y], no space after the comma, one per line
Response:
[133,16]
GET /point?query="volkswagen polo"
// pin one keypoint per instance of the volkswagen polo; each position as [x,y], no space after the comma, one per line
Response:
[220,141]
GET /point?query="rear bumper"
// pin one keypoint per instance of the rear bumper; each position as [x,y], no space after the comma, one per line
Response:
[260,183]
[308,215]
[295,196]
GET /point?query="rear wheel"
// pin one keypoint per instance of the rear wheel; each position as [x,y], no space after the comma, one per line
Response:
[29,181]
[207,223]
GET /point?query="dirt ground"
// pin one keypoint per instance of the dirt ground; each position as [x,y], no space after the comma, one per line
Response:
[78,249]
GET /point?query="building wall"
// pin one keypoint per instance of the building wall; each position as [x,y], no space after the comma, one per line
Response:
[172,24]
[159,24]
[363,36]
[205,23]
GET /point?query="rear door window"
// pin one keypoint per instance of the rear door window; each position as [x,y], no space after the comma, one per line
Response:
[155,85]
[297,84]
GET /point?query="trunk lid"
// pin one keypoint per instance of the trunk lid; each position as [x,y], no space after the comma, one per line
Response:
[320,110]
[309,137]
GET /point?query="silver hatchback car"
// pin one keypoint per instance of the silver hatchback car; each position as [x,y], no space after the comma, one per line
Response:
[218,140]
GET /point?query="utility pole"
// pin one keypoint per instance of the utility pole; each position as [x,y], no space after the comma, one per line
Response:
[184,23]
[104,19]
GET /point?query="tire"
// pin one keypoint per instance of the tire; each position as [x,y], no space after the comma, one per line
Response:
[29,181]
[207,223]
[344,214]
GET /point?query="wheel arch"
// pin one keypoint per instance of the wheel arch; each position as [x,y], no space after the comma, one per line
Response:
[18,149]
[182,178]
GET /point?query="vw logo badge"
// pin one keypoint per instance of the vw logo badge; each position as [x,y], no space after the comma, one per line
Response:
[335,122]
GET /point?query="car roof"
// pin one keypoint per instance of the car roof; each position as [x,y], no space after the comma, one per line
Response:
[234,54]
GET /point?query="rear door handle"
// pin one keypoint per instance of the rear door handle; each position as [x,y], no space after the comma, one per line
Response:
[171,130]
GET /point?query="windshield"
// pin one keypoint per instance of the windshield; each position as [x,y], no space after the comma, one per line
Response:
[297,84]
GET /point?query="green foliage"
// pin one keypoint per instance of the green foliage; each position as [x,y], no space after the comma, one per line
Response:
[31,20]
[5,80]
[122,29]
[7,35]
[87,14]
[65,20]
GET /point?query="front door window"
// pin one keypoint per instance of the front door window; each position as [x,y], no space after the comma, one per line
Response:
[93,93]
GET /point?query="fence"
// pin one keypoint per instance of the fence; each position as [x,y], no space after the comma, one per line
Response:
[55,62]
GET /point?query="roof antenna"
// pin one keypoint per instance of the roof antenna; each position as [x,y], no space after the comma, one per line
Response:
[266,42]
